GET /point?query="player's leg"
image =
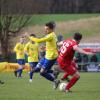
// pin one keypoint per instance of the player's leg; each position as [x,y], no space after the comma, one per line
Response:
[45,69]
[20,70]
[73,80]
[56,71]
[50,76]
[65,77]
[75,76]
[39,65]
[35,67]
[21,63]
[45,74]
[48,73]
[61,68]
[32,66]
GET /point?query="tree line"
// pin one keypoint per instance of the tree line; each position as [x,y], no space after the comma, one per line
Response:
[49,6]
[13,14]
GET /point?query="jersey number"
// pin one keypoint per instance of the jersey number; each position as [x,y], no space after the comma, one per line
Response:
[64,47]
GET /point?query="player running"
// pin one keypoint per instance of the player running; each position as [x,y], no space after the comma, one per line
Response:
[31,50]
[19,49]
[65,59]
[51,53]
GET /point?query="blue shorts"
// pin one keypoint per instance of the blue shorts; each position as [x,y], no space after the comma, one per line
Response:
[47,64]
[21,61]
[33,64]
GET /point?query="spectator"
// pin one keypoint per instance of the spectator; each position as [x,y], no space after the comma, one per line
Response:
[60,37]
[79,60]
[85,61]
[94,58]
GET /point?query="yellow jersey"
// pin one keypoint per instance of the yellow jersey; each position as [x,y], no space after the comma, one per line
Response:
[32,50]
[19,49]
[51,46]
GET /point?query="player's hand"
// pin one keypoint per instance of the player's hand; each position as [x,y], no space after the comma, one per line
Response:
[90,53]
[42,47]
[26,53]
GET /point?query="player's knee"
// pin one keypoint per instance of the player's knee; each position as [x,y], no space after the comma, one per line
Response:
[77,75]
[42,73]
[39,65]
[42,70]
[32,70]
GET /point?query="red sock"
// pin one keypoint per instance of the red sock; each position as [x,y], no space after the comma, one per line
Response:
[65,76]
[72,82]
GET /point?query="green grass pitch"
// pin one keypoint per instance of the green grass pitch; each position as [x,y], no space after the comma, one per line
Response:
[87,88]
[44,18]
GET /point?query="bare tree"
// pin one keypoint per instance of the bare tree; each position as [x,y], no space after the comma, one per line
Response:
[9,26]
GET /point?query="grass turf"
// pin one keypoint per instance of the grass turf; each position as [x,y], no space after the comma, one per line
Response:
[79,25]
[44,18]
[87,88]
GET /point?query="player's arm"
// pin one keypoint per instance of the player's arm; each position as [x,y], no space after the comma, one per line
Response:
[60,43]
[39,40]
[16,48]
[80,50]
[47,38]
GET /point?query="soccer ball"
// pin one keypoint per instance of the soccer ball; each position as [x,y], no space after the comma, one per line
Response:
[62,86]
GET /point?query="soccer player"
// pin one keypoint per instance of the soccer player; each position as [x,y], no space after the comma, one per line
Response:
[20,56]
[51,53]
[65,59]
[31,49]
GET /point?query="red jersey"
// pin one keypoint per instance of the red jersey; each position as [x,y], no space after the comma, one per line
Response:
[66,51]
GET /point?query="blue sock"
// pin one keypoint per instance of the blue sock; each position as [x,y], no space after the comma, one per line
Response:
[20,73]
[31,74]
[48,76]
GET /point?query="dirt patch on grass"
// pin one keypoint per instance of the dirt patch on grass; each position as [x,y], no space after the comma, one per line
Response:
[90,28]
[79,24]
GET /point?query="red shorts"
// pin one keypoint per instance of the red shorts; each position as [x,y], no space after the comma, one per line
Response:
[70,68]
